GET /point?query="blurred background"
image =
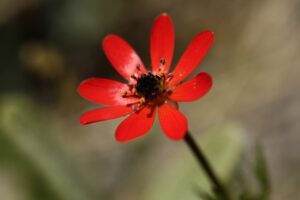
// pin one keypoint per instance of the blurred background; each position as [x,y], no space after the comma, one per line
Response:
[248,124]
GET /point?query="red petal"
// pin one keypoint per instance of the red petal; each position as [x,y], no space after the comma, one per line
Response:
[104,114]
[192,56]
[162,42]
[192,89]
[122,56]
[104,91]
[173,123]
[135,125]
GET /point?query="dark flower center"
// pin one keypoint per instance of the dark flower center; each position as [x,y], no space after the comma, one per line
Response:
[149,86]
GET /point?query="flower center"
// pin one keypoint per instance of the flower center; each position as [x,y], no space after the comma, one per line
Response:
[149,86]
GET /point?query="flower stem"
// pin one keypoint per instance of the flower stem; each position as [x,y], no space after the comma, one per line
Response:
[203,162]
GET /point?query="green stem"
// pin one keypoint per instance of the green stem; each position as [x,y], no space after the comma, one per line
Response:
[203,162]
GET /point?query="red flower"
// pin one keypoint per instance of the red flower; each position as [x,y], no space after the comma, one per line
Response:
[146,91]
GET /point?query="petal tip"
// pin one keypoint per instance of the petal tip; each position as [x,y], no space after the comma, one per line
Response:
[177,139]
[121,137]
[164,14]
[120,140]
[82,121]
[135,126]
[81,86]
[173,123]
[106,38]
[210,34]
[207,31]
[209,80]
[109,35]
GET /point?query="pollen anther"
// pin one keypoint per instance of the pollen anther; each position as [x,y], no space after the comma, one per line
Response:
[138,67]
[123,93]
[162,61]
[169,90]
[142,100]
[134,107]
[169,77]
[133,76]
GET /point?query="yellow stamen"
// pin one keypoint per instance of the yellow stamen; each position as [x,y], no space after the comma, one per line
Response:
[133,76]
[142,100]
[123,93]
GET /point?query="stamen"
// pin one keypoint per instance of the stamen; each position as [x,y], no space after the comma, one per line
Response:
[132,103]
[138,67]
[149,89]
[169,77]
[142,100]
[130,85]
[133,76]
[160,73]
[123,93]
[134,107]
[169,90]
[162,61]
[133,91]
[162,64]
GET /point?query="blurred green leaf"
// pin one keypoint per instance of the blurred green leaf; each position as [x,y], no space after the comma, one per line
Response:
[252,177]
[261,172]
[28,128]
[223,146]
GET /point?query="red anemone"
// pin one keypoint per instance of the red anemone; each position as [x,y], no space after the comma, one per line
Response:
[147,91]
